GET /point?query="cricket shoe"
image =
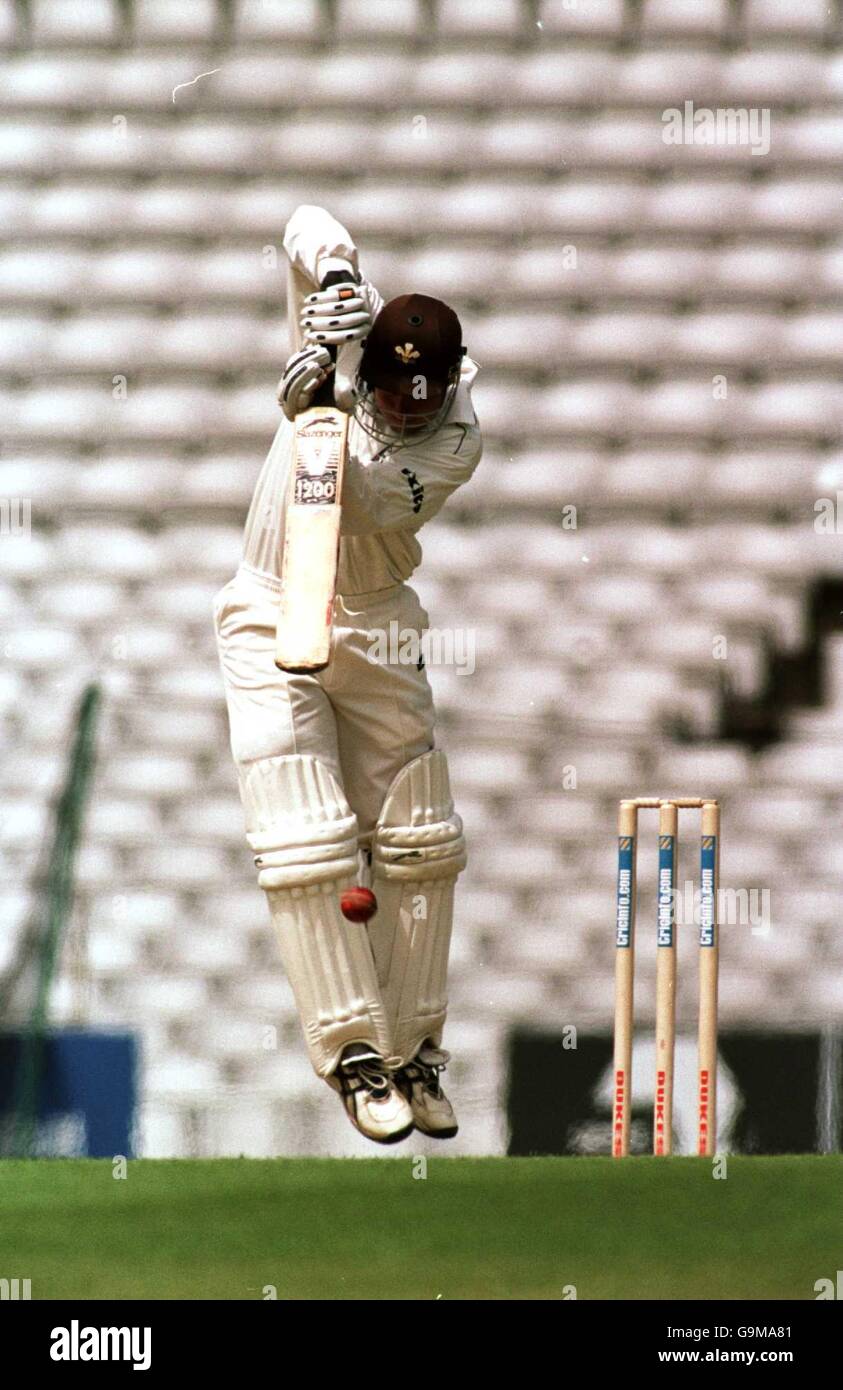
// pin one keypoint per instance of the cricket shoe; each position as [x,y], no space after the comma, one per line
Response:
[372,1101]
[419,1081]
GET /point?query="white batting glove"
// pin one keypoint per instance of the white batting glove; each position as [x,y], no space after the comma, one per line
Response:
[304,373]
[340,314]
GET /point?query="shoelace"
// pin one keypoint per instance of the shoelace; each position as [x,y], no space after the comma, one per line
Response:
[428,1075]
[368,1075]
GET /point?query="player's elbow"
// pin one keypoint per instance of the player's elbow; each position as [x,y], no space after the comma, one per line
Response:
[299,220]
[306,210]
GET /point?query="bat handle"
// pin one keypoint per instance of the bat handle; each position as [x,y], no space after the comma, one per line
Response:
[324,394]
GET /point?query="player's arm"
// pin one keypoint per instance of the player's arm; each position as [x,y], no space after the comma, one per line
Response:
[317,245]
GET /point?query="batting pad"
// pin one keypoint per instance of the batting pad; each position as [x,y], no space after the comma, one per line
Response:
[304,837]
[418,853]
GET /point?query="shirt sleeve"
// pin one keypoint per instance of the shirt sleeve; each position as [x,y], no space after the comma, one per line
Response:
[402,490]
[317,243]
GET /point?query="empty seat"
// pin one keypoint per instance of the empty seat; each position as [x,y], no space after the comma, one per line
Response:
[778,814]
[662,271]
[211,340]
[123,821]
[134,910]
[358,19]
[109,550]
[768,478]
[40,481]
[813,336]
[166,729]
[726,336]
[74,21]
[627,594]
[812,138]
[599,205]
[573,271]
[179,864]
[112,953]
[301,19]
[561,815]
[489,769]
[153,774]
[224,482]
[798,204]
[140,274]
[192,683]
[473,18]
[216,819]
[131,481]
[8,22]
[211,953]
[779,17]
[696,205]
[475,207]
[758,269]
[830,265]
[98,343]
[598,406]
[683,17]
[704,770]
[646,77]
[24,342]
[533,691]
[31,648]
[162,21]
[598,17]
[44,273]
[179,1074]
[510,339]
[579,76]
[623,336]
[24,821]
[795,766]
[662,479]
[536,479]
[443,143]
[795,407]
[97,865]
[171,206]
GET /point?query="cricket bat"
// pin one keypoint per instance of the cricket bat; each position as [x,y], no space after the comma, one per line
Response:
[312,536]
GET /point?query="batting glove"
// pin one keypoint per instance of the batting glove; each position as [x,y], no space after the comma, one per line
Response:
[340,314]
[304,373]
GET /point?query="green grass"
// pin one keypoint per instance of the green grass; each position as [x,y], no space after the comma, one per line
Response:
[492,1228]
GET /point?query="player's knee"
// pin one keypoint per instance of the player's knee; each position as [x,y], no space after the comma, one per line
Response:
[419,834]
[299,824]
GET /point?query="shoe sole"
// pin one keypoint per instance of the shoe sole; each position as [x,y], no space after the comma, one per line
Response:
[438,1133]
[395,1138]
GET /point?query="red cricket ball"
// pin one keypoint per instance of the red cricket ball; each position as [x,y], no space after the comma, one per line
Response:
[358,904]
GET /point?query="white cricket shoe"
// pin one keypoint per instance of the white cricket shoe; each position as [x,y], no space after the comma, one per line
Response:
[419,1081]
[372,1101]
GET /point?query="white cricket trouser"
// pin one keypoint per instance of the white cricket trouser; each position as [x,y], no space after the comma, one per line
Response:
[364,722]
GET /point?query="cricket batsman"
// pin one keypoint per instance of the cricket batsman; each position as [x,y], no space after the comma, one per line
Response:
[342,786]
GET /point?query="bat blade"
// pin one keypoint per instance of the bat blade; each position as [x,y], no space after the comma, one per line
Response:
[311,541]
